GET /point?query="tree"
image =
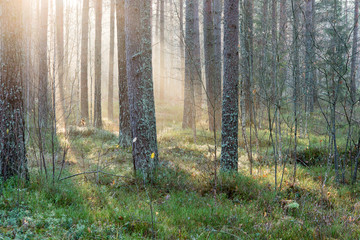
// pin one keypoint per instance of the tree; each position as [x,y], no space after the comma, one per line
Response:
[193,83]
[84,61]
[189,116]
[210,68]
[111,61]
[217,64]
[97,95]
[124,112]
[162,49]
[181,43]
[247,71]
[309,56]
[12,125]
[43,68]
[60,51]
[296,73]
[230,105]
[140,84]
[195,57]
[354,53]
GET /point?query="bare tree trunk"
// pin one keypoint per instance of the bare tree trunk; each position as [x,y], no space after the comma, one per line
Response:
[182,48]
[98,32]
[196,60]
[296,74]
[246,40]
[43,68]
[189,116]
[248,58]
[354,53]
[209,49]
[124,112]
[84,61]
[60,53]
[217,5]
[162,49]
[309,57]
[230,110]
[111,62]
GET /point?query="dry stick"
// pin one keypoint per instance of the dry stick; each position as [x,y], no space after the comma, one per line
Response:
[92,172]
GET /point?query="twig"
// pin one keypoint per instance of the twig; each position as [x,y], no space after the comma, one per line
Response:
[91,172]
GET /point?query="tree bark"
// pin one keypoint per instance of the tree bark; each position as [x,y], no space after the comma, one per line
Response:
[60,53]
[12,125]
[84,61]
[111,62]
[209,49]
[309,56]
[229,147]
[189,116]
[196,60]
[217,61]
[43,106]
[248,57]
[162,50]
[354,53]
[124,112]
[296,75]
[140,83]
[97,95]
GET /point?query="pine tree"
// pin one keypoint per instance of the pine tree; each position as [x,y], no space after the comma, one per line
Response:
[12,125]
[230,105]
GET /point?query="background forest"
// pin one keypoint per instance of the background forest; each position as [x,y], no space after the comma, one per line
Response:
[179,119]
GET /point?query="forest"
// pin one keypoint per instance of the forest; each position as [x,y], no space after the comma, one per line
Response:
[179,119]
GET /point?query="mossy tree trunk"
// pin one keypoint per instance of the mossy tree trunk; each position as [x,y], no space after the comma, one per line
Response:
[12,126]
[230,108]
[140,84]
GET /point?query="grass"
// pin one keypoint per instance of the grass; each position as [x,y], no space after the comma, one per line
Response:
[181,193]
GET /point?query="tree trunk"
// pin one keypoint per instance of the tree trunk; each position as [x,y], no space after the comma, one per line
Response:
[209,49]
[282,46]
[274,42]
[60,53]
[124,112]
[181,42]
[217,5]
[309,57]
[248,57]
[190,71]
[354,53]
[84,61]
[196,61]
[12,125]
[140,83]
[43,68]
[296,74]
[162,49]
[111,62]
[97,95]
[230,109]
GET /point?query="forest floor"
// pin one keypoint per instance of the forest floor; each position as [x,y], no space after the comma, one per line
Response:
[180,201]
